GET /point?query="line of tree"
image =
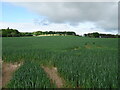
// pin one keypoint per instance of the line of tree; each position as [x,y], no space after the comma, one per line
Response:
[15,33]
[98,35]
[53,33]
[9,32]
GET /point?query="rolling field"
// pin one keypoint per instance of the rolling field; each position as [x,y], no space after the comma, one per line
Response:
[81,62]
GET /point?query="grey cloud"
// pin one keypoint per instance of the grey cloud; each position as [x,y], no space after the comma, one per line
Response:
[103,14]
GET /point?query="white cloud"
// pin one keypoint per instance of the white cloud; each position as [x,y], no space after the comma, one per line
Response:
[81,29]
[105,15]
[79,17]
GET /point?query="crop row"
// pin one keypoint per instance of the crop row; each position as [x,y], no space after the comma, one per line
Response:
[82,62]
[30,75]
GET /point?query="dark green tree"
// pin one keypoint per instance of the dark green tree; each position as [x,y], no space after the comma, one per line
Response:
[95,34]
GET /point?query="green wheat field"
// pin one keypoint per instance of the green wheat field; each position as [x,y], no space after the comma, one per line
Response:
[82,62]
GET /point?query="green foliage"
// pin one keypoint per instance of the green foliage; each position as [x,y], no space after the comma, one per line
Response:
[30,75]
[96,34]
[37,33]
[89,68]
[54,32]
[10,32]
[13,33]
[26,34]
[99,35]
[82,62]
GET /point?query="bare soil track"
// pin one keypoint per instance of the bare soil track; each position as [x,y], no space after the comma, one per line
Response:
[7,70]
[54,76]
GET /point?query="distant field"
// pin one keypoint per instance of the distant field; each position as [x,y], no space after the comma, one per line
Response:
[81,62]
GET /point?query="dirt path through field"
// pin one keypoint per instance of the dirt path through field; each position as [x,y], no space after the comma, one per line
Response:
[7,71]
[53,75]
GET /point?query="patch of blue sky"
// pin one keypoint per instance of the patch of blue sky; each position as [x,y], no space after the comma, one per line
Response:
[0,11]
[13,13]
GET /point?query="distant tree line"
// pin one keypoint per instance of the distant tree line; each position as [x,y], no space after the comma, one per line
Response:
[53,33]
[98,35]
[15,33]
[9,32]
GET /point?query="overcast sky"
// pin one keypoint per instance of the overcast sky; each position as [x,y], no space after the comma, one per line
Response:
[81,17]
